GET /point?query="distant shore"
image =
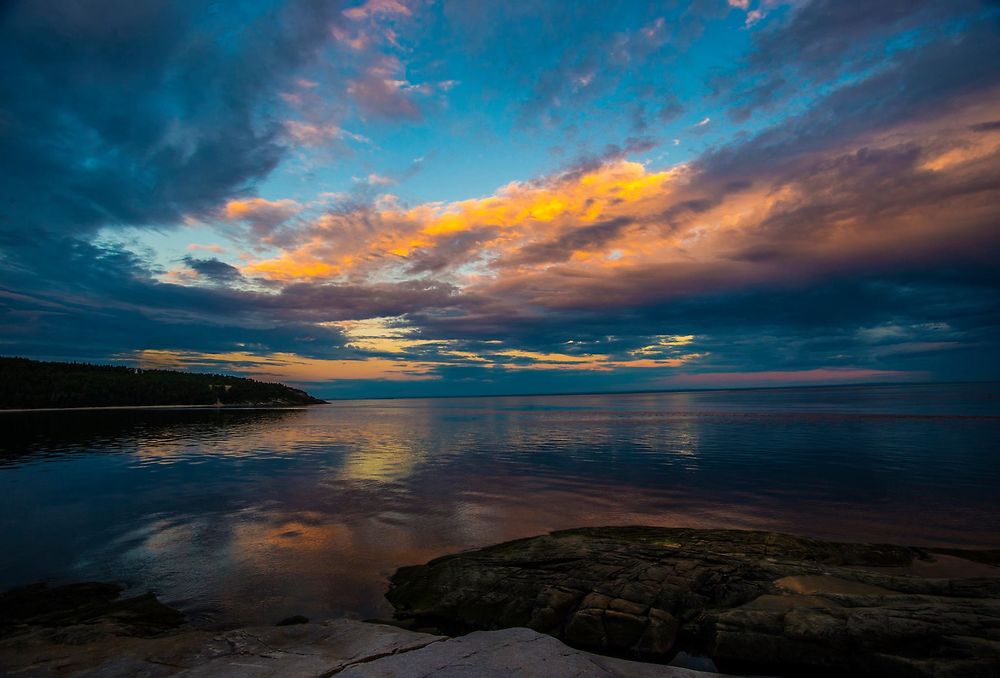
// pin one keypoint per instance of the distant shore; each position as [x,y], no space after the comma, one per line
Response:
[36,385]
[224,406]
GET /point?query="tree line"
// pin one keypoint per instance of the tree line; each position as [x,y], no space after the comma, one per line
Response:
[28,383]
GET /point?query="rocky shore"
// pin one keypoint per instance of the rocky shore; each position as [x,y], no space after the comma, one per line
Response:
[586,602]
[84,630]
[752,601]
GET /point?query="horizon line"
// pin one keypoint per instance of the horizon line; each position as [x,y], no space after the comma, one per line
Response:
[675,390]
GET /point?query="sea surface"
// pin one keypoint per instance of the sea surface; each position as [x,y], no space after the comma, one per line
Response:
[248,516]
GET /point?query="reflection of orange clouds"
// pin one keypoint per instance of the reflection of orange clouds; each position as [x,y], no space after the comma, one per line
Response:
[384,453]
[382,464]
[293,535]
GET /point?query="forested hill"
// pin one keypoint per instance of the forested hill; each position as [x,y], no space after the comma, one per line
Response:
[31,383]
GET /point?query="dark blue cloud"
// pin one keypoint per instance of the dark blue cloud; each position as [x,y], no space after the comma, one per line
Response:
[213,269]
[140,113]
[66,297]
[823,41]
[917,84]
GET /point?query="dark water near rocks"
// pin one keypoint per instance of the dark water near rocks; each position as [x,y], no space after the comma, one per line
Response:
[250,516]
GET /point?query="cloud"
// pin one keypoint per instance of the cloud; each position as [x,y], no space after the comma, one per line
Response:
[287,367]
[382,91]
[263,216]
[312,134]
[670,110]
[851,240]
[125,114]
[753,16]
[751,238]
[375,179]
[213,269]
[821,41]
[611,231]
[377,7]
[197,247]
[476,230]
[560,56]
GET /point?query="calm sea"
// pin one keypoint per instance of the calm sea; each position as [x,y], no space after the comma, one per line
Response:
[251,516]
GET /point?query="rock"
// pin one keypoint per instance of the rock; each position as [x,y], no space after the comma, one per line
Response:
[341,647]
[294,619]
[83,610]
[685,660]
[512,652]
[85,630]
[752,601]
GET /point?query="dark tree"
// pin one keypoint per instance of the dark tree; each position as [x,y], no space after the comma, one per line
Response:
[30,383]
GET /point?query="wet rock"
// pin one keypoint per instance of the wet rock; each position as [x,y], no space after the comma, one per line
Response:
[83,610]
[753,601]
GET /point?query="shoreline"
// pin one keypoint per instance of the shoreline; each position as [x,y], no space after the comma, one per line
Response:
[613,601]
[99,408]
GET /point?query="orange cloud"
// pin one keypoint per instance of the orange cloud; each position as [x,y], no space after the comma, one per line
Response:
[288,366]
[590,362]
[258,208]
[262,216]
[517,216]
[624,233]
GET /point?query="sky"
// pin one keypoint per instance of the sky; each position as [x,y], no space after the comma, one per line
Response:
[379,198]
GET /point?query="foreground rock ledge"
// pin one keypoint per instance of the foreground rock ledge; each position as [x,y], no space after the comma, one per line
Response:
[85,631]
[753,601]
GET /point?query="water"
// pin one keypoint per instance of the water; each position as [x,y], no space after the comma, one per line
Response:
[251,516]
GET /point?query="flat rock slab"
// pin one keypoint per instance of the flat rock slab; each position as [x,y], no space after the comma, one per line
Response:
[753,601]
[340,647]
[511,652]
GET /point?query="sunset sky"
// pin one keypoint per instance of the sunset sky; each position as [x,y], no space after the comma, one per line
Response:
[447,197]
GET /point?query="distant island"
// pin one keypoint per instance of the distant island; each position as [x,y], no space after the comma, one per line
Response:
[33,384]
